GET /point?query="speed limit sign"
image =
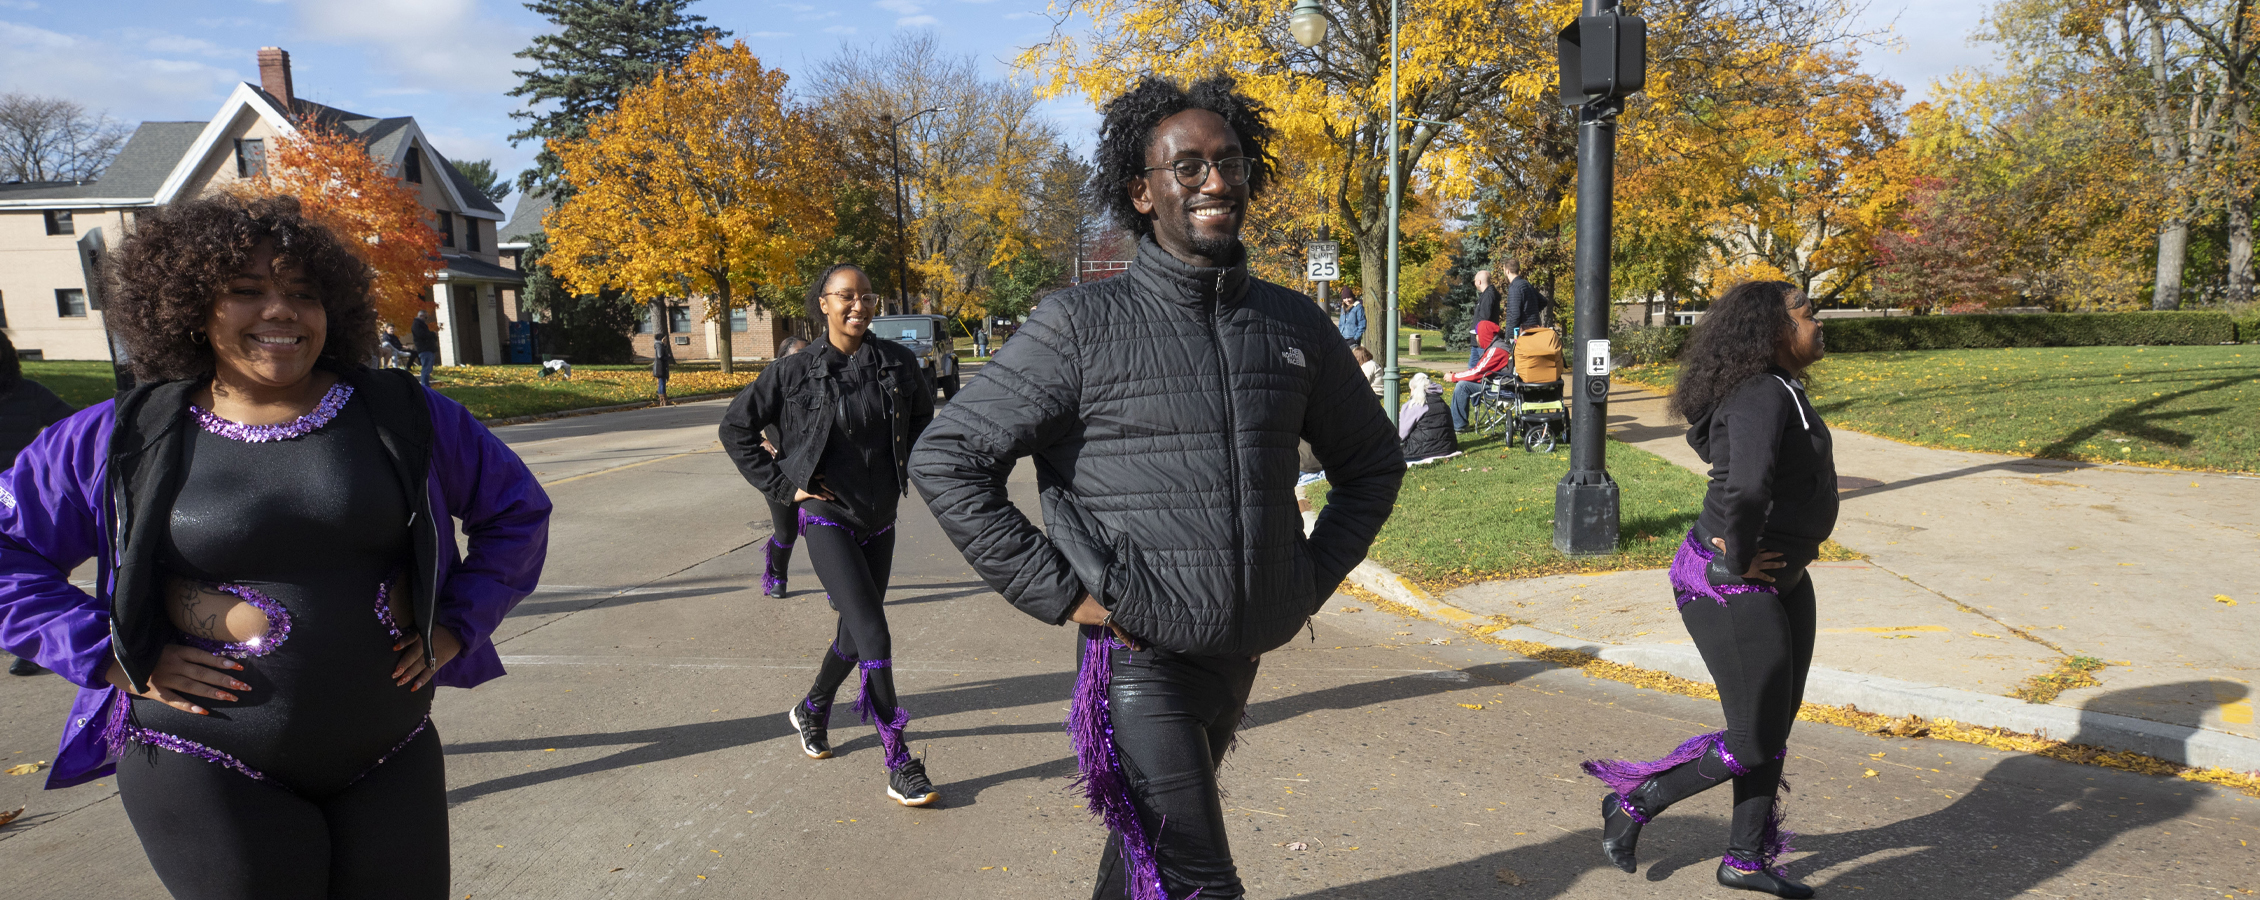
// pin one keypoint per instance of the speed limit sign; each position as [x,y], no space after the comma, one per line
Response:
[1325,262]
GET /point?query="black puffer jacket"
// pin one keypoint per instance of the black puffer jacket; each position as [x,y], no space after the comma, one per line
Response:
[1163,408]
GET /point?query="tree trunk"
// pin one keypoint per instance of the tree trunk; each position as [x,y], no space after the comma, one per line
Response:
[722,324]
[2173,250]
[1373,275]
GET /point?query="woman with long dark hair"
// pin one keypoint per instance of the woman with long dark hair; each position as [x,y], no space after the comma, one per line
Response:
[847,411]
[274,527]
[1740,579]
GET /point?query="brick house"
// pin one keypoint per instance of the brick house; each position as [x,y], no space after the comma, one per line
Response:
[52,235]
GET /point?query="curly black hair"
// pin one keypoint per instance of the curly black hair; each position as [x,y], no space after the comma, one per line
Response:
[172,266]
[1734,341]
[815,298]
[1128,131]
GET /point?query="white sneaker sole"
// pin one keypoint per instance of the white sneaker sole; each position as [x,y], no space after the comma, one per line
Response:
[919,801]
[795,718]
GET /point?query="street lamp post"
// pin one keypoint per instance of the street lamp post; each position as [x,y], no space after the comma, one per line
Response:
[902,246]
[1307,22]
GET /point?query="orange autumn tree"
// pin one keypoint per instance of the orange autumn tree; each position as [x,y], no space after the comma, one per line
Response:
[706,180]
[344,188]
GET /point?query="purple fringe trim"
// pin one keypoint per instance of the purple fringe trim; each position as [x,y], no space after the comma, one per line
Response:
[323,412]
[772,572]
[278,627]
[836,652]
[1624,775]
[890,728]
[1688,581]
[1774,843]
[807,518]
[1090,728]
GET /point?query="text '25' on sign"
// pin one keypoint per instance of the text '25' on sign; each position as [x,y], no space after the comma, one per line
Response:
[1325,261]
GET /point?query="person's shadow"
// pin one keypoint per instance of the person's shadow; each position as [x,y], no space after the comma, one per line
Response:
[2028,820]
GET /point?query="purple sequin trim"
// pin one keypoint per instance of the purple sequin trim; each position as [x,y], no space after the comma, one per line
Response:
[836,652]
[890,728]
[807,518]
[384,611]
[278,627]
[1624,775]
[775,556]
[184,746]
[1090,729]
[1688,581]
[396,748]
[323,412]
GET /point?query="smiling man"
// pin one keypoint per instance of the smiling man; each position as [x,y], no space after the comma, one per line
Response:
[1163,409]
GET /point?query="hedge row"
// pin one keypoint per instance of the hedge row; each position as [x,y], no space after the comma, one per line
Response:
[2156,328]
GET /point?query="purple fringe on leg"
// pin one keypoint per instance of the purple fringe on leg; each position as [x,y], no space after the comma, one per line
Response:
[889,729]
[1688,581]
[1624,775]
[1090,729]
[1773,845]
[773,571]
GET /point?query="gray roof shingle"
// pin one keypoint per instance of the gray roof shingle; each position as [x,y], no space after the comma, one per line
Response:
[137,172]
[525,221]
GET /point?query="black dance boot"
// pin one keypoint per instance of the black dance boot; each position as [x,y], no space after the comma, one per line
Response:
[1700,765]
[1754,844]
[1620,834]
[779,557]
[1762,881]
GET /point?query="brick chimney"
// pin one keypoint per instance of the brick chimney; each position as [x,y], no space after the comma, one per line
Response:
[274,75]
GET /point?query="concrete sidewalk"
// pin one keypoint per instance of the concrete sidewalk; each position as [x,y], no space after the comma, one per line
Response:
[1982,571]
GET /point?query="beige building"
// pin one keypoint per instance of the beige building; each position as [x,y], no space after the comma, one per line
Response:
[52,235]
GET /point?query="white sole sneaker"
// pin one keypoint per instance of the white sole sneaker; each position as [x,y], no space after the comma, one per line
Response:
[795,716]
[914,801]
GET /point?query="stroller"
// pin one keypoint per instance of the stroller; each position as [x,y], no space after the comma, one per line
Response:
[1536,412]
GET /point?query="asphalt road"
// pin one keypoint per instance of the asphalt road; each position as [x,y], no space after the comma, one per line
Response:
[639,748]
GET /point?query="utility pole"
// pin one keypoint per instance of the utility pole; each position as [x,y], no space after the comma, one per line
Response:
[1603,58]
[902,245]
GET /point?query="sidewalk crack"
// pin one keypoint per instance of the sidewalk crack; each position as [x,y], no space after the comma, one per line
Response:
[1942,595]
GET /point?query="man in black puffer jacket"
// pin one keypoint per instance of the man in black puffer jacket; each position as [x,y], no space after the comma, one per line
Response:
[1164,408]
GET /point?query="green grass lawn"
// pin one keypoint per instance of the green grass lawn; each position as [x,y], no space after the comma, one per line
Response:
[490,392]
[2173,407]
[1490,514]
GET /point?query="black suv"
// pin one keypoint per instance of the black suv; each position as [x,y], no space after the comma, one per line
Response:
[929,337]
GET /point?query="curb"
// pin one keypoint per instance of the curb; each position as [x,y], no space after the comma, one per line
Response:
[593,410]
[2182,744]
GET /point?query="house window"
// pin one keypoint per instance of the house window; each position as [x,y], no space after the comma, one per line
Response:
[471,234]
[738,321]
[70,303]
[446,228]
[251,157]
[59,221]
[643,318]
[413,167]
[678,318]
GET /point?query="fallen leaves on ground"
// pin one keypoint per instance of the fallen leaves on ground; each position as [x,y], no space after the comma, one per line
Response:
[1471,706]
[8,817]
[1298,845]
[1867,773]
[27,768]
[1508,877]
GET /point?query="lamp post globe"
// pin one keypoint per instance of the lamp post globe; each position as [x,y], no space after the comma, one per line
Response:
[1307,22]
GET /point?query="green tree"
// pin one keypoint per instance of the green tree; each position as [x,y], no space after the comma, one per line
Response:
[480,172]
[602,50]
[584,328]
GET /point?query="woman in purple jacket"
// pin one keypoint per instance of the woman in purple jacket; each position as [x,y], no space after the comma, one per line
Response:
[278,579]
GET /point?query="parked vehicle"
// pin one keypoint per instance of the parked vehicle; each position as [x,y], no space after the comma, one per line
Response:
[929,337]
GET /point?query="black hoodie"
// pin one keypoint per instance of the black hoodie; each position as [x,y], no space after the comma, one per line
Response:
[1773,474]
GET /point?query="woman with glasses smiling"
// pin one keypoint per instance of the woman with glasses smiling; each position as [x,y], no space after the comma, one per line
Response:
[847,410]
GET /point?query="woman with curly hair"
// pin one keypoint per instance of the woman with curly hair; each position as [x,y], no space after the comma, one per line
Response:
[846,411]
[273,526]
[1740,577]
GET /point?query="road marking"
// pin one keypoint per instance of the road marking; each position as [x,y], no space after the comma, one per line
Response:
[630,466]
[1883,629]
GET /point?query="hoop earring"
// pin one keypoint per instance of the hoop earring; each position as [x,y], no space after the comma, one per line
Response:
[196,337]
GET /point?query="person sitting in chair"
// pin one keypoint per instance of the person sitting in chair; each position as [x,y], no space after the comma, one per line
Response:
[1497,357]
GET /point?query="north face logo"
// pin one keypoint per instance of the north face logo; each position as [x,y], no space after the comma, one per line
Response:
[1295,355]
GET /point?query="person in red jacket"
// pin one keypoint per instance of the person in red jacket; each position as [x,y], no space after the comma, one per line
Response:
[1497,357]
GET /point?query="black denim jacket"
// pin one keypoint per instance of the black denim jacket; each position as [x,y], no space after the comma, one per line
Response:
[797,395]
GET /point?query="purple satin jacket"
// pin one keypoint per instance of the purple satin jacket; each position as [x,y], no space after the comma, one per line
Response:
[54,515]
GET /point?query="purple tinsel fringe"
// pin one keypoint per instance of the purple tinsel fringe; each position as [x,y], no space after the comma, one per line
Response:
[1090,729]
[1774,843]
[807,518]
[1688,581]
[278,627]
[323,412]
[890,728]
[1624,775]
[772,570]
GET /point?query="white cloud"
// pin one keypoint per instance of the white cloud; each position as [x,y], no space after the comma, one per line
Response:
[163,42]
[901,7]
[768,34]
[105,75]
[915,21]
[840,29]
[1933,40]
[442,44]
[25,5]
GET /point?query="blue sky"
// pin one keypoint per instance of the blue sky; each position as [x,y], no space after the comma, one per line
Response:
[448,62]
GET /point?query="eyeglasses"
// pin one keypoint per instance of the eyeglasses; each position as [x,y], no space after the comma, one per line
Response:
[1193,173]
[845,297]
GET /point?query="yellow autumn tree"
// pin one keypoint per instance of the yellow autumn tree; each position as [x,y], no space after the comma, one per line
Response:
[706,181]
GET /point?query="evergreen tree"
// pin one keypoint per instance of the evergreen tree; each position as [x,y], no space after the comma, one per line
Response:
[584,328]
[602,50]
[481,174]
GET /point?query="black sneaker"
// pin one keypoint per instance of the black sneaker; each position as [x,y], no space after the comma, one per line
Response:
[24,667]
[813,740]
[909,787]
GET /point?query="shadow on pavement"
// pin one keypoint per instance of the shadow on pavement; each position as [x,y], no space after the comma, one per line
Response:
[2030,819]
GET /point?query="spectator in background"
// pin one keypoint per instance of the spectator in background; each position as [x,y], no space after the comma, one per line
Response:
[1368,365]
[1495,359]
[1526,308]
[662,359]
[26,408]
[1353,317]
[390,353]
[1486,310]
[426,337]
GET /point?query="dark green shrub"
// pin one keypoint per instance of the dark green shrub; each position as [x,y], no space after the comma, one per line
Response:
[2037,330]
[1647,345]
[2248,328]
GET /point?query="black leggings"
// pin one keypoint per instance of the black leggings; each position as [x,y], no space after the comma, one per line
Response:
[211,832]
[854,568]
[785,517]
[1174,718]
